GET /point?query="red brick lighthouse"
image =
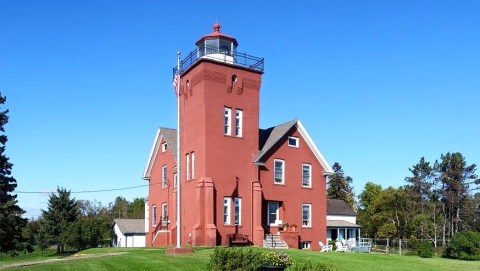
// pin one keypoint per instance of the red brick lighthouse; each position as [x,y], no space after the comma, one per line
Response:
[235,178]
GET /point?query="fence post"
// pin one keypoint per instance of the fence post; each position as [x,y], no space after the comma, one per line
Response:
[400,247]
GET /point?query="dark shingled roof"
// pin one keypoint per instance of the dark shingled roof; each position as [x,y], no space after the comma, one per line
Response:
[339,207]
[170,136]
[131,225]
[269,137]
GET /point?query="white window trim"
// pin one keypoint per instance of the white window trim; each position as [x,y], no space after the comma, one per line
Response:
[237,202]
[306,244]
[297,141]
[164,176]
[309,215]
[227,119]
[273,223]
[164,147]
[175,180]
[164,219]
[274,171]
[309,175]
[238,122]
[154,215]
[187,162]
[227,218]
[193,164]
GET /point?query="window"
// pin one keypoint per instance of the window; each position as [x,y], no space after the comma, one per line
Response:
[154,215]
[238,122]
[279,174]
[293,141]
[306,175]
[238,211]
[273,214]
[193,165]
[306,215]
[226,210]
[306,244]
[187,158]
[175,180]
[164,214]
[164,147]
[227,120]
[164,176]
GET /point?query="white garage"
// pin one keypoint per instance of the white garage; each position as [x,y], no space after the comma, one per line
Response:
[129,233]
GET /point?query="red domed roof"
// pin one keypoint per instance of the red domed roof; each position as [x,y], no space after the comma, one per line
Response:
[216,34]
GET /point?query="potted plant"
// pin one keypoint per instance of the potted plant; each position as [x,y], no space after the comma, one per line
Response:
[285,226]
[276,261]
[293,227]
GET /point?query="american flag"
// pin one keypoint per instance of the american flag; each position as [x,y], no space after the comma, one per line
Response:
[175,83]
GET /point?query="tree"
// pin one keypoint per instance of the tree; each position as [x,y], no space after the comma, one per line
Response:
[366,210]
[11,222]
[31,230]
[61,212]
[454,177]
[136,210]
[88,232]
[421,189]
[120,208]
[339,186]
[420,183]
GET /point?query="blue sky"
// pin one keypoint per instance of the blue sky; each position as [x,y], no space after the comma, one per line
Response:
[378,84]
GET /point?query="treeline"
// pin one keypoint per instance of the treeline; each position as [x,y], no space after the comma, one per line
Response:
[79,224]
[437,201]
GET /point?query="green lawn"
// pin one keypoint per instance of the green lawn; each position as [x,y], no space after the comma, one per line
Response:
[37,254]
[156,259]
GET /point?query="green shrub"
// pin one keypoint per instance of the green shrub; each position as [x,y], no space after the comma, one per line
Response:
[333,244]
[276,258]
[412,247]
[425,249]
[308,266]
[464,246]
[235,259]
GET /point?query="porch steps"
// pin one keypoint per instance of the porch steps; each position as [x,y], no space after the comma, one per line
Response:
[274,241]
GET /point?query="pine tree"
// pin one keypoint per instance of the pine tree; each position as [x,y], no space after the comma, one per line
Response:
[339,186]
[455,176]
[61,213]
[11,222]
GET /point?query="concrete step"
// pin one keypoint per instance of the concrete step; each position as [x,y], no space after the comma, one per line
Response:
[274,241]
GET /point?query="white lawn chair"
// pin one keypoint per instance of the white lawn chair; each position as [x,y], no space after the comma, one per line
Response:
[325,248]
[341,247]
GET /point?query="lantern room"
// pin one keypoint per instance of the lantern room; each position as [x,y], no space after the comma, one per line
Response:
[217,46]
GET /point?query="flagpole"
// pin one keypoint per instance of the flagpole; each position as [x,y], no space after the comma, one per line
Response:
[179,172]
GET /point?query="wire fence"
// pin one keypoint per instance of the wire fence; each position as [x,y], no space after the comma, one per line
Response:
[402,246]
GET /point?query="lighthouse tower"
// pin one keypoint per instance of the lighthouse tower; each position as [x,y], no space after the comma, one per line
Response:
[219,129]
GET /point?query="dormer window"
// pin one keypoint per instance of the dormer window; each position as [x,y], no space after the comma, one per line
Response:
[164,147]
[293,141]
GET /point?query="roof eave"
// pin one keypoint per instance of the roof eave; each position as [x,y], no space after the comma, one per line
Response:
[151,157]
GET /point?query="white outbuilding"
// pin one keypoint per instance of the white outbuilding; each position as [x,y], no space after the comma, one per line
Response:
[129,233]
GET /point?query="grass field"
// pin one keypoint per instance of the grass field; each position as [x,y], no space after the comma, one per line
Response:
[25,256]
[156,259]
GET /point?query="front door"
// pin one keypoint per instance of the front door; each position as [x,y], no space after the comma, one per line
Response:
[273,215]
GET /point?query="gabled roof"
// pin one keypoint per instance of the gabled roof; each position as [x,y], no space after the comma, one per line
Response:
[170,136]
[339,207]
[130,225]
[271,136]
